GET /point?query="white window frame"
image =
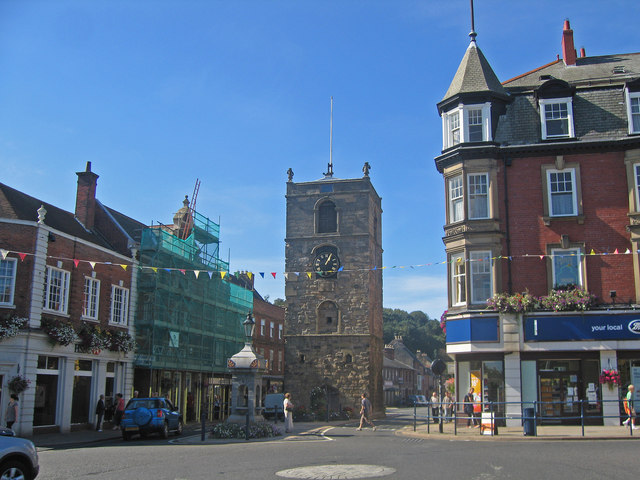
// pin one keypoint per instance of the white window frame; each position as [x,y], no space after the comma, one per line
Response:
[457,119]
[478,259]
[631,99]
[458,280]
[9,281]
[636,179]
[557,254]
[63,302]
[272,329]
[474,197]
[91,303]
[262,327]
[279,331]
[122,305]
[455,192]
[574,192]
[544,102]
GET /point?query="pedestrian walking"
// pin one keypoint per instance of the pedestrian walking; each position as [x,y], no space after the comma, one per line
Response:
[365,412]
[468,408]
[629,407]
[288,413]
[119,411]
[100,408]
[435,407]
[448,406]
[11,415]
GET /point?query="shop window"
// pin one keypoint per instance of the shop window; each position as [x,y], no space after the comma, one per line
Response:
[46,391]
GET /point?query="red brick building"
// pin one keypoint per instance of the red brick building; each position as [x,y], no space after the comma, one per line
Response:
[268,340]
[542,180]
[67,286]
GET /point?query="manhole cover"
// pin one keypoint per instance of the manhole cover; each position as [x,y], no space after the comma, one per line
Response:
[337,471]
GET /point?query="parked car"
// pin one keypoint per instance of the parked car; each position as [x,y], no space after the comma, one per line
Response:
[273,402]
[419,400]
[18,457]
[150,415]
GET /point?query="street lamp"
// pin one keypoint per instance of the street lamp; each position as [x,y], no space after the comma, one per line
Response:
[249,326]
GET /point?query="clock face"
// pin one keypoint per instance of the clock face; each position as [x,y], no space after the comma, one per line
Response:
[326,264]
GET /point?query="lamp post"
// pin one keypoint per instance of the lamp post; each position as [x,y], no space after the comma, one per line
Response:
[249,326]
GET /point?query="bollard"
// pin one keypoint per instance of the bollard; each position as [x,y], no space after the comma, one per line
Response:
[414,416]
[246,432]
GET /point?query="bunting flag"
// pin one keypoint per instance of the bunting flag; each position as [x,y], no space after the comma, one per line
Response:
[592,252]
[250,275]
[76,262]
[4,253]
[541,257]
[182,271]
[341,268]
[210,275]
[93,265]
[222,274]
[273,274]
[124,267]
[261,274]
[22,256]
[197,273]
[309,274]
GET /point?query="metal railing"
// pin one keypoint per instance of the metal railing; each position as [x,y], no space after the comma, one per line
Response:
[529,416]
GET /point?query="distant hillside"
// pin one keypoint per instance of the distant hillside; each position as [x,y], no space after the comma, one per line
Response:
[418,331]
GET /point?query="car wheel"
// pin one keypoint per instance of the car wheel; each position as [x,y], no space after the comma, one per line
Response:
[179,429]
[14,469]
[165,430]
[126,435]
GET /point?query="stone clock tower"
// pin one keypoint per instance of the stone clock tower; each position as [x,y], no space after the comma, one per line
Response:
[333,321]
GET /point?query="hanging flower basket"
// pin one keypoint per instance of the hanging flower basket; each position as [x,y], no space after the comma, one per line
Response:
[61,333]
[94,338]
[610,378]
[121,341]
[9,327]
[18,384]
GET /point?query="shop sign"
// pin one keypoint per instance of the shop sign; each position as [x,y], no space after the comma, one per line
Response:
[560,328]
[473,329]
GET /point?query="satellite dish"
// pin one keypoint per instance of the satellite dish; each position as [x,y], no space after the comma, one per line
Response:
[438,367]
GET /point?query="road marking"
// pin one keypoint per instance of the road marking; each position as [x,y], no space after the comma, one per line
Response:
[345,472]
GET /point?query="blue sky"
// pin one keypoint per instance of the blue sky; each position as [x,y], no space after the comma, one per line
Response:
[158,93]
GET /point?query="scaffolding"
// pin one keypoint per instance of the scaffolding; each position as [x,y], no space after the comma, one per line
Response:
[187,322]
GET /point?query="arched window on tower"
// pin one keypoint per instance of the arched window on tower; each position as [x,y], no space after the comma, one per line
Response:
[327,317]
[327,217]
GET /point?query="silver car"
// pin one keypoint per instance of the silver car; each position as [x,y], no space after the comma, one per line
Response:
[18,457]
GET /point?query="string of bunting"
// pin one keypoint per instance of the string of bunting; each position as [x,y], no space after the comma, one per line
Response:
[22,255]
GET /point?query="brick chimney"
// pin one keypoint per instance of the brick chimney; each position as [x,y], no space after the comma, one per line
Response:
[86,197]
[569,54]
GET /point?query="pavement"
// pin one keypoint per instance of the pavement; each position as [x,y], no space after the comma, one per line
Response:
[192,434]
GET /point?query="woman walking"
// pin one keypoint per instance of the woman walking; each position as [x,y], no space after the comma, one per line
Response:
[288,413]
[11,415]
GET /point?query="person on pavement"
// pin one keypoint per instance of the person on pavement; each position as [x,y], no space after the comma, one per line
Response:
[11,415]
[100,413]
[288,413]
[365,412]
[629,408]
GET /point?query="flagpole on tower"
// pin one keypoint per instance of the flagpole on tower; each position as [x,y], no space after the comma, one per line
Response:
[330,166]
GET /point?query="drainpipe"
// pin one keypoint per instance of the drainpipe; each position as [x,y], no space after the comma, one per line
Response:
[507,163]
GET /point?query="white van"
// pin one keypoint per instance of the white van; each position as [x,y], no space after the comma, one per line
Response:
[273,402]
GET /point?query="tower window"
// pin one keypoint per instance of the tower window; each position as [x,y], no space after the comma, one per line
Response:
[348,358]
[327,217]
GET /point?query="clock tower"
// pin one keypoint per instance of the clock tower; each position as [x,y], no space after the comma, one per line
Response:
[333,321]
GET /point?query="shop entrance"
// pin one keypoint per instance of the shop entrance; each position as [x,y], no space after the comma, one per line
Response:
[562,387]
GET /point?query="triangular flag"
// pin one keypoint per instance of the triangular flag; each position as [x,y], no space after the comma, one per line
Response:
[250,275]
[196,273]
[286,276]
[167,270]
[183,271]
[309,274]
[222,274]
[297,274]
[210,275]
[541,257]
[155,269]
[261,274]
[76,262]
[4,253]
[592,252]
[22,256]
[124,267]
[615,252]
[273,274]
[341,269]
[93,265]
[628,251]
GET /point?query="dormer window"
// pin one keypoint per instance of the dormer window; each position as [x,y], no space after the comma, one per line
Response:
[466,123]
[633,111]
[556,118]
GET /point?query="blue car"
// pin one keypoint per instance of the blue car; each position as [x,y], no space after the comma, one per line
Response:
[150,415]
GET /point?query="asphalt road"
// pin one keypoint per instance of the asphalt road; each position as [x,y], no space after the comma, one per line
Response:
[343,452]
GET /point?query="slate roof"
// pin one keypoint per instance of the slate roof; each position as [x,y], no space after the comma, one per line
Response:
[17,205]
[474,75]
[588,72]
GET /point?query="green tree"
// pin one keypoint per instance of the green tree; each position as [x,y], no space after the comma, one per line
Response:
[418,331]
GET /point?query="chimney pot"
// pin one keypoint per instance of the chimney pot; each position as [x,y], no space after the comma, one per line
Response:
[86,197]
[582,53]
[568,49]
